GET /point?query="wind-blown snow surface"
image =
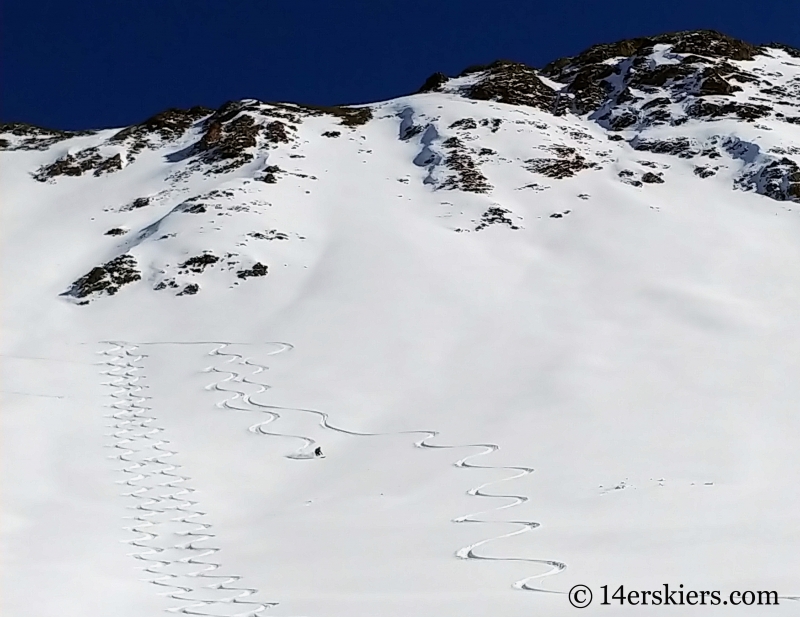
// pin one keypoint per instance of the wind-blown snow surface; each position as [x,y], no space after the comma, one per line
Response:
[630,364]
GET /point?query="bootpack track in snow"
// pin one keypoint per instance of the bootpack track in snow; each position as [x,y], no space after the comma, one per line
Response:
[162,493]
[163,505]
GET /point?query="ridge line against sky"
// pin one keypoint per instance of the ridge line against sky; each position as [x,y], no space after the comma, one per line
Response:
[93,64]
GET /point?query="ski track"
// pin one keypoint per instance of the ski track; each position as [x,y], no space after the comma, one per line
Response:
[157,501]
[166,520]
[308,444]
[163,507]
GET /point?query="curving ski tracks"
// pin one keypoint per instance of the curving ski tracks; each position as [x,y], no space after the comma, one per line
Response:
[305,452]
[173,542]
[164,510]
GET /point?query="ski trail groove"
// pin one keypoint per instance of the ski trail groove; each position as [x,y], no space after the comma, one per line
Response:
[308,444]
[172,542]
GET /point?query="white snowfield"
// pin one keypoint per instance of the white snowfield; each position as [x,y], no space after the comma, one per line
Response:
[509,403]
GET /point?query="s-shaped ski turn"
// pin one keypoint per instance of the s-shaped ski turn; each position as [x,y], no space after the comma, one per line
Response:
[173,542]
[234,376]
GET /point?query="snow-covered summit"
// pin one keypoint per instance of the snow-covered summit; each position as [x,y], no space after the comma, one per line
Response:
[722,105]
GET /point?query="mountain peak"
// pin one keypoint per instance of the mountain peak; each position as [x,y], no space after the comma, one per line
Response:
[701,42]
[696,96]
[504,81]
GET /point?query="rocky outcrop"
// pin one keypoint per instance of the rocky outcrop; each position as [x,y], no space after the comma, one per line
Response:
[566,163]
[466,174]
[639,82]
[513,83]
[22,136]
[80,163]
[778,179]
[495,216]
[198,263]
[503,81]
[258,269]
[106,279]
[616,82]
[165,126]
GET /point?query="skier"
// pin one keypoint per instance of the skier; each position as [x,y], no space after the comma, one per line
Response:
[318,451]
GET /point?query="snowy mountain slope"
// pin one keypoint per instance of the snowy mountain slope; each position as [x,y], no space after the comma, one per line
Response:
[575,284]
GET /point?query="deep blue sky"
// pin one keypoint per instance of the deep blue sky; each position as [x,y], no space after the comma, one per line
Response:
[98,63]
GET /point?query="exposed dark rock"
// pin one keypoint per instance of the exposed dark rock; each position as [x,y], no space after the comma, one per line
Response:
[704,172]
[194,208]
[292,112]
[661,75]
[786,150]
[270,174]
[258,269]
[495,216]
[29,137]
[657,102]
[714,84]
[78,164]
[589,88]
[709,43]
[493,123]
[679,146]
[116,231]
[348,116]
[106,279]
[464,123]
[513,83]
[596,54]
[228,143]
[629,177]
[201,203]
[139,202]
[331,134]
[626,96]
[705,70]
[166,283]
[168,125]
[652,178]
[351,116]
[621,120]
[70,165]
[468,176]
[779,179]
[409,131]
[199,263]
[566,164]
[792,51]
[745,111]
[275,132]
[106,166]
[190,290]
[434,83]
[271,234]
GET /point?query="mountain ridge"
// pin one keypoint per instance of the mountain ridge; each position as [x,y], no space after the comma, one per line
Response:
[735,49]
[631,92]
